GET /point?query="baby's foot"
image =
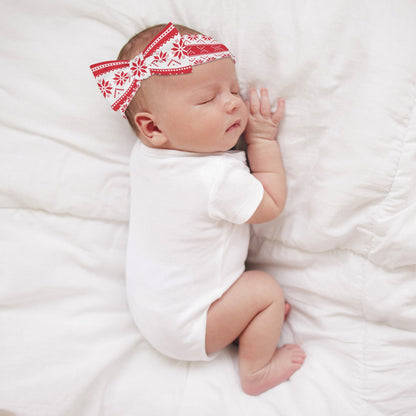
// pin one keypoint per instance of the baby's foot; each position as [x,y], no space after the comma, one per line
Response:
[285,361]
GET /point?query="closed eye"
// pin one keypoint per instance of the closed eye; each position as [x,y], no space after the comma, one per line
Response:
[206,100]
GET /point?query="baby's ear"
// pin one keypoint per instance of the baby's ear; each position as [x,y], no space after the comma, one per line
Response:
[145,123]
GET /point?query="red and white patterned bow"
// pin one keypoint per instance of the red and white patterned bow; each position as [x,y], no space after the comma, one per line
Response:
[168,53]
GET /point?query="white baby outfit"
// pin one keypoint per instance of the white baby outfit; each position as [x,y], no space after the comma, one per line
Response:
[187,241]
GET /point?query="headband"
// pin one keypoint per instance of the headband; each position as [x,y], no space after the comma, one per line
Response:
[169,53]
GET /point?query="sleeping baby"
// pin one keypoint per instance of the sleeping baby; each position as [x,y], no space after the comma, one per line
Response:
[192,200]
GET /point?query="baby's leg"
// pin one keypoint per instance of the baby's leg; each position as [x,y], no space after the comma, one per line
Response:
[253,309]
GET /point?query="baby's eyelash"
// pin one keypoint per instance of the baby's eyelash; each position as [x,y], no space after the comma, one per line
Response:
[205,101]
[209,99]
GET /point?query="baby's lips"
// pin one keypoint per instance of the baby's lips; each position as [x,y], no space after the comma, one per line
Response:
[234,125]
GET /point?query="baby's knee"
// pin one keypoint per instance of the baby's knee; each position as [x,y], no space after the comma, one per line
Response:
[265,285]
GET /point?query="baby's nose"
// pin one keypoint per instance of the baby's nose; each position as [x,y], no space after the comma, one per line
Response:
[232,102]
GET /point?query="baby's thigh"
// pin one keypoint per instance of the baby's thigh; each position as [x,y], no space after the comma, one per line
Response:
[228,316]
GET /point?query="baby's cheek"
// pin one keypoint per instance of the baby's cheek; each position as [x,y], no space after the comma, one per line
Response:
[244,117]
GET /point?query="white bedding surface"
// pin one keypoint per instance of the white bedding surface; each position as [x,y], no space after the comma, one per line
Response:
[344,249]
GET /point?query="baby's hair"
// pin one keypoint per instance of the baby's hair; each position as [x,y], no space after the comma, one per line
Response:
[136,45]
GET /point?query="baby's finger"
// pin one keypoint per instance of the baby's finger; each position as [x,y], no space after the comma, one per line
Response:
[278,114]
[254,102]
[264,102]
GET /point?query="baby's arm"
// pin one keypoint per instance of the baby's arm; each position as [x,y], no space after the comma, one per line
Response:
[263,154]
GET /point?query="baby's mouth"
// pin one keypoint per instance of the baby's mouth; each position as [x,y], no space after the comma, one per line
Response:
[234,126]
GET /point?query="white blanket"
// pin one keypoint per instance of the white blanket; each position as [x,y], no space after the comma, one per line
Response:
[344,249]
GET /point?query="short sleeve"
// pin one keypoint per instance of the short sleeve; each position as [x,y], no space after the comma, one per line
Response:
[236,193]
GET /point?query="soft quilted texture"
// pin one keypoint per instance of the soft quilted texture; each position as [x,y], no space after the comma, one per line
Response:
[344,249]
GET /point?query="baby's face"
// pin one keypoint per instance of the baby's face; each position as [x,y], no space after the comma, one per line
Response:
[201,111]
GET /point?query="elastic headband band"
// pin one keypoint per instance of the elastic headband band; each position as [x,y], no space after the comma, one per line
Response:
[168,53]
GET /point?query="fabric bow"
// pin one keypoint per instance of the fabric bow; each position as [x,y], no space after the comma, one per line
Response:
[168,53]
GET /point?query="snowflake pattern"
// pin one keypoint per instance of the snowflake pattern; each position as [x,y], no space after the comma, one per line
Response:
[170,53]
[179,49]
[121,77]
[160,58]
[105,87]
[139,68]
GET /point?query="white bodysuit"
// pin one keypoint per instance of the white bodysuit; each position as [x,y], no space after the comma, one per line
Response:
[187,241]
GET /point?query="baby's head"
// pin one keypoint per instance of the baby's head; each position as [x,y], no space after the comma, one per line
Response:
[132,48]
[196,106]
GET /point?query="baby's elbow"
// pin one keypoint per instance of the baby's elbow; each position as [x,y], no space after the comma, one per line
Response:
[275,211]
[280,206]
[267,211]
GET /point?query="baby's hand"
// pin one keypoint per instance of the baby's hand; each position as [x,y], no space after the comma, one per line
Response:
[262,124]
